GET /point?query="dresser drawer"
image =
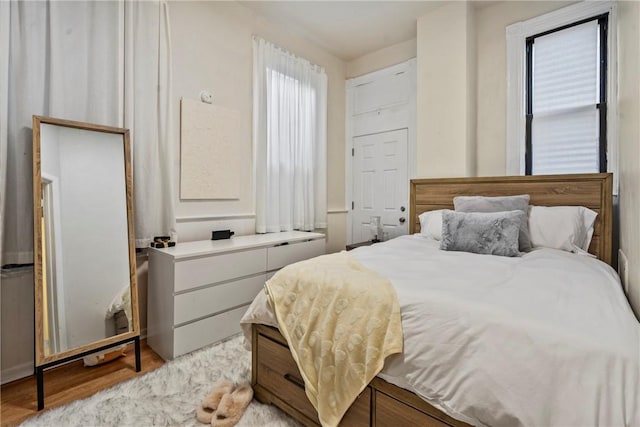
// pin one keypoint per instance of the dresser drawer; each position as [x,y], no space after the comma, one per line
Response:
[199,303]
[217,268]
[281,375]
[391,412]
[279,256]
[359,411]
[207,331]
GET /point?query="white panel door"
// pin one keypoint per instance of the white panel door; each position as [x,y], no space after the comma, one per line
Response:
[380,184]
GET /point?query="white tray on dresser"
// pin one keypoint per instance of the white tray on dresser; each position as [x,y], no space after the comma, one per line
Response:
[198,291]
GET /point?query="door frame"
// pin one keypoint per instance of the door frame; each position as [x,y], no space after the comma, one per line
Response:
[409,123]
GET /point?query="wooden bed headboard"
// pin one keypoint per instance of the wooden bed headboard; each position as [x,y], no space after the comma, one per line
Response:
[593,191]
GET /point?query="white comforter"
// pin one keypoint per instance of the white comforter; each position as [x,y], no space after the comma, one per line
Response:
[547,339]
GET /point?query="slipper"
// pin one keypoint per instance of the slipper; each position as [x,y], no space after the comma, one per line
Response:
[232,406]
[208,407]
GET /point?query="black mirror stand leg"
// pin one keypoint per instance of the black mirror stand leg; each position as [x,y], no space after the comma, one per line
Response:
[40,381]
[40,369]
[138,363]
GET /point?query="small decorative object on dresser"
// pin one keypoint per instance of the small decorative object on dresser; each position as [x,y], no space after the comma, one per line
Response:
[221,234]
[198,291]
[162,242]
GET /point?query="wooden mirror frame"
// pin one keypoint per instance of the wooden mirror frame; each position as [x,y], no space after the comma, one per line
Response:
[43,361]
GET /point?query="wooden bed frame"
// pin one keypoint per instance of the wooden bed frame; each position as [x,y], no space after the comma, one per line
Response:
[593,191]
[275,377]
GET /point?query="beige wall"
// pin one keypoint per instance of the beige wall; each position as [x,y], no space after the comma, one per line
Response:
[471,90]
[445,98]
[629,145]
[491,24]
[382,58]
[211,49]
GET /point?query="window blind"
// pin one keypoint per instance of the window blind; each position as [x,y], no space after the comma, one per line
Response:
[565,95]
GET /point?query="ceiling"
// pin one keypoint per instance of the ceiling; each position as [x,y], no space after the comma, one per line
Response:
[347,29]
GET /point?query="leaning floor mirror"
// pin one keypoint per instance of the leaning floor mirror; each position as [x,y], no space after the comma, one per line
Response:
[86,297]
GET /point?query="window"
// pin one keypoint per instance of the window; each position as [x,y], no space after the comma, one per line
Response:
[555,113]
[566,99]
[290,143]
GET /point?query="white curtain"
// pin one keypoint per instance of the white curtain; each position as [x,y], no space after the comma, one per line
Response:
[289,139]
[59,59]
[99,62]
[148,116]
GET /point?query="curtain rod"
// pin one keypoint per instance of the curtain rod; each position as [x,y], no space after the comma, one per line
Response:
[288,52]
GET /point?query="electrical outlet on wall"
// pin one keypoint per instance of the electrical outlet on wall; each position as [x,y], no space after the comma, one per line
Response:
[623,270]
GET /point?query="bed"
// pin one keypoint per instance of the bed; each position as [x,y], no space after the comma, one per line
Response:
[514,327]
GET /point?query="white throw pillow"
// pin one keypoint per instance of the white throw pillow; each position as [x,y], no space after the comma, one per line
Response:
[431,224]
[589,218]
[569,228]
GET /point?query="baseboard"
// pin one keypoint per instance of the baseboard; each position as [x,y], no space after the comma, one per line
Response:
[17,372]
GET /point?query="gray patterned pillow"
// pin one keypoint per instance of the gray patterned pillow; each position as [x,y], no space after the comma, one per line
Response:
[499,204]
[492,233]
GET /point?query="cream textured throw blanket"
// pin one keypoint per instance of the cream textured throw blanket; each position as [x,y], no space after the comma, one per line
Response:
[341,321]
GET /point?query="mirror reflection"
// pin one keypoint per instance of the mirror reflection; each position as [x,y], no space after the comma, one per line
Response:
[86,292]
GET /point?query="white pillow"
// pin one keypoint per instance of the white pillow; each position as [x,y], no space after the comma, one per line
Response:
[569,228]
[589,218]
[431,224]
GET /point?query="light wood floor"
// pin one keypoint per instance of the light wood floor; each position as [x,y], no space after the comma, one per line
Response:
[69,382]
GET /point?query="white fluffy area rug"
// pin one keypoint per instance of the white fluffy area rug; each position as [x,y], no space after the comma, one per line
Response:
[169,395]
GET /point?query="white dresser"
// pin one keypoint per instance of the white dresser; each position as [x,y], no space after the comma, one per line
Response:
[198,291]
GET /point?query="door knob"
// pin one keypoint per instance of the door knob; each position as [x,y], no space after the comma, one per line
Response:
[402,209]
[402,220]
